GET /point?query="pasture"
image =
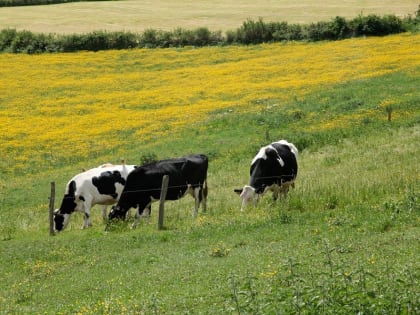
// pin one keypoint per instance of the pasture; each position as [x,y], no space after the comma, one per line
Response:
[345,241]
[137,16]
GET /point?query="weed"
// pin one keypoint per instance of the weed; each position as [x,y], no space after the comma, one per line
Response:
[220,250]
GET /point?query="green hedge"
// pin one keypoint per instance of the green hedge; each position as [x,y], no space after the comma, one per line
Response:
[251,32]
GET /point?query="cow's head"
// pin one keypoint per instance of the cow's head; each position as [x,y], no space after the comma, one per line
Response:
[68,206]
[117,213]
[248,196]
[60,220]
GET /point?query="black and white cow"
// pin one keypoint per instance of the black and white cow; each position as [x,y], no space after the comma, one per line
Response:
[100,185]
[186,175]
[273,168]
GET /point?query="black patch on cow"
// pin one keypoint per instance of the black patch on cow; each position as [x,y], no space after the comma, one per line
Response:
[82,198]
[105,183]
[68,204]
[58,221]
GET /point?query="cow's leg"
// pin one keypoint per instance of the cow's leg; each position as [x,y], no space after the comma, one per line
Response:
[146,214]
[86,221]
[275,189]
[139,214]
[104,212]
[197,200]
[284,189]
[86,205]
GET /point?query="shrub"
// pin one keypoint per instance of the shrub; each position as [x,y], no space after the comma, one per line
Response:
[373,25]
[28,42]
[251,32]
[283,31]
[149,38]
[6,38]
[124,40]
[317,31]
[339,28]
[254,32]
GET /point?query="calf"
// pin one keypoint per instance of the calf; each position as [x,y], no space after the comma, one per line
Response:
[273,168]
[186,175]
[101,185]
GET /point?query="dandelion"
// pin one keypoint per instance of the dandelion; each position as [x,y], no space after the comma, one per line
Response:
[75,106]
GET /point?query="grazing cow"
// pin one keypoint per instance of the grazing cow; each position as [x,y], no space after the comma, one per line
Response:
[273,168]
[186,175]
[101,185]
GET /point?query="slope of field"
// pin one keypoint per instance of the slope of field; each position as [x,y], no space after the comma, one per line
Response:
[346,241]
[134,15]
[77,106]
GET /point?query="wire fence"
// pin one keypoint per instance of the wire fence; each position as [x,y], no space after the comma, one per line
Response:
[280,177]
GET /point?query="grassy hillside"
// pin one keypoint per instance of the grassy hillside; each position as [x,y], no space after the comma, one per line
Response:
[137,16]
[345,241]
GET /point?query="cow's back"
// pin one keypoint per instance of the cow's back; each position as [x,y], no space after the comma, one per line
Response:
[195,169]
[88,188]
[288,155]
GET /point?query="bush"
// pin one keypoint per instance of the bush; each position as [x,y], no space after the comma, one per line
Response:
[254,32]
[6,38]
[251,32]
[339,28]
[373,25]
[30,43]
[283,31]
[317,31]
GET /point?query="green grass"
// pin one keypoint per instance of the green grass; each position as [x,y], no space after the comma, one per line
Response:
[346,240]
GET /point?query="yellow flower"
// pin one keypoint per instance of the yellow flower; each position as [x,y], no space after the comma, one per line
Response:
[60,106]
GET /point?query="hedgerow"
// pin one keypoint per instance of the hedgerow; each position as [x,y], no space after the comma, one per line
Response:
[250,32]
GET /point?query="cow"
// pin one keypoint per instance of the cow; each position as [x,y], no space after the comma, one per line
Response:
[273,168]
[100,185]
[187,175]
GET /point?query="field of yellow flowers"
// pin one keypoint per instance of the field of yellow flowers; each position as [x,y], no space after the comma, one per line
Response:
[65,107]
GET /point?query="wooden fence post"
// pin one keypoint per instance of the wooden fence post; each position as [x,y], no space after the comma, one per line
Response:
[51,210]
[164,189]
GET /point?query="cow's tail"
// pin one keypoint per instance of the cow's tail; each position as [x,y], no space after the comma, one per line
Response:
[203,195]
[205,190]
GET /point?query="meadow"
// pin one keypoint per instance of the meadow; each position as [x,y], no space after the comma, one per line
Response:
[346,240]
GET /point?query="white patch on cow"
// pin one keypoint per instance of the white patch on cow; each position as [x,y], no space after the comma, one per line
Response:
[291,146]
[260,155]
[248,196]
[263,155]
[281,162]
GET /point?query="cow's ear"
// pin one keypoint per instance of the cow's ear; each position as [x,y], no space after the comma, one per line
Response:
[238,190]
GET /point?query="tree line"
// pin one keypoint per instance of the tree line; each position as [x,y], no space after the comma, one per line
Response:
[250,32]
